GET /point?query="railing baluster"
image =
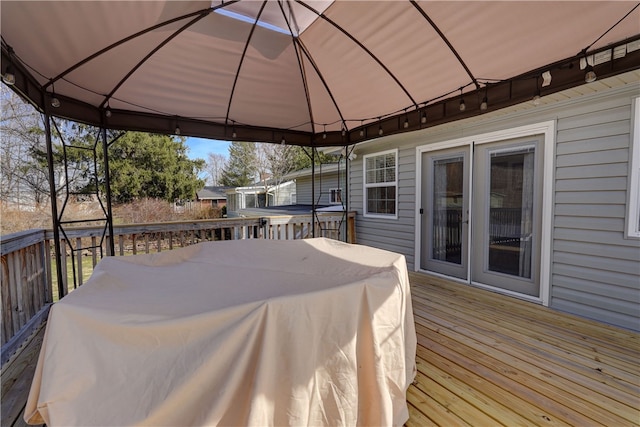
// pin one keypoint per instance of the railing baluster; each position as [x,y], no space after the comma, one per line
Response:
[94,251]
[65,273]
[79,260]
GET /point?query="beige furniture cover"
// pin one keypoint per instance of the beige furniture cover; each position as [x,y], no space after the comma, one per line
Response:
[252,332]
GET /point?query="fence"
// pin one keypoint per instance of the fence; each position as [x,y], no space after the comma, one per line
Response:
[29,281]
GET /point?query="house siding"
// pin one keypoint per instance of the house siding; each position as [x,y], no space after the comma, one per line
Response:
[322,191]
[595,269]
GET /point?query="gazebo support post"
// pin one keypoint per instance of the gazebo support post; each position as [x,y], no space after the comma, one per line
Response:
[107,183]
[345,195]
[62,291]
[313,192]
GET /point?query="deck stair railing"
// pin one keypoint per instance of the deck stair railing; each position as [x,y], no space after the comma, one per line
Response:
[29,287]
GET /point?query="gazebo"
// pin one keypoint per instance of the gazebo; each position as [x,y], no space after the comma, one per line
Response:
[310,73]
[338,74]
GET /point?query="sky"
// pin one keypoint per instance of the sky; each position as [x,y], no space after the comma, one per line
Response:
[199,148]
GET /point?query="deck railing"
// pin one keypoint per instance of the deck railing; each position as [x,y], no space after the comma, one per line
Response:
[29,280]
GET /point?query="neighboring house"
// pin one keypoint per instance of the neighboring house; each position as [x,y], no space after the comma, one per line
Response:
[212,196]
[538,202]
[254,196]
[330,182]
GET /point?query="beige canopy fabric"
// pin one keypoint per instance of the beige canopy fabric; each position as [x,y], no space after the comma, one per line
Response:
[247,333]
[294,68]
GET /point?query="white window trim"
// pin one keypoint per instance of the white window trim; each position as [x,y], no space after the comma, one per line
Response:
[633,186]
[331,192]
[548,129]
[366,186]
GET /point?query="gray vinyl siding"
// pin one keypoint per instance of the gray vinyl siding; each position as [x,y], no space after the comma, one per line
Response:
[322,191]
[595,268]
[396,235]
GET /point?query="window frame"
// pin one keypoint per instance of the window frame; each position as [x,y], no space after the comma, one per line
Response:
[632,226]
[366,186]
[337,192]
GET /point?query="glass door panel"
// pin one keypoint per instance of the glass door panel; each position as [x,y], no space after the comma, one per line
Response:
[507,214]
[444,218]
[511,213]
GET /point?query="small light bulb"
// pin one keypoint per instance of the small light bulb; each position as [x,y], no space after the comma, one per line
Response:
[233,135]
[484,105]
[55,102]
[536,98]
[361,132]
[590,75]
[324,135]
[463,106]
[380,131]
[283,141]
[9,78]
[107,112]
[177,132]
[423,119]
[406,123]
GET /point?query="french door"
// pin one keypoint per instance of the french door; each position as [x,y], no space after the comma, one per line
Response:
[445,233]
[481,216]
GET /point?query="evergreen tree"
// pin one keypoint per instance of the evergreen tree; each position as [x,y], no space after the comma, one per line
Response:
[155,166]
[241,168]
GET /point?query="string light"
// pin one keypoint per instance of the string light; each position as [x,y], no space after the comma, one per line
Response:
[9,77]
[485,101]
[361,128]
[463,106]
[536,97]
[177,132]
[589,75]
[55,102]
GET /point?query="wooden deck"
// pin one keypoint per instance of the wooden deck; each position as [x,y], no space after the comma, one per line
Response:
[483,360]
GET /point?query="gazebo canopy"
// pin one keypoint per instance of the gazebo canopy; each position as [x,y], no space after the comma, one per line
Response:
[307,72]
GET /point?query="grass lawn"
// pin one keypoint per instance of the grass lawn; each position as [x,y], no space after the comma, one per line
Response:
[87,269]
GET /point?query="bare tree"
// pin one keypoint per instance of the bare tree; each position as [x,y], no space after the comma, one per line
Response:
[21,128]
[215,165]
[274,162]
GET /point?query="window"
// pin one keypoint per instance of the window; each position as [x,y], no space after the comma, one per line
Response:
[381,184]
[336,196]
[633,203]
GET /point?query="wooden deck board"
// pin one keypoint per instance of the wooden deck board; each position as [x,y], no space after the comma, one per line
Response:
[483,359]
[517,357]
[16,378]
